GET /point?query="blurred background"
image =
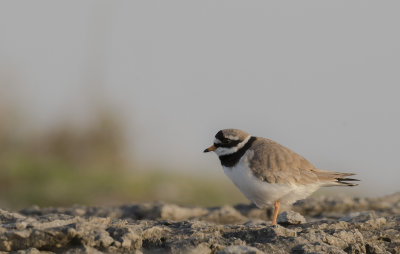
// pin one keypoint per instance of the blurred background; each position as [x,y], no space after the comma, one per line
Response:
[109,102]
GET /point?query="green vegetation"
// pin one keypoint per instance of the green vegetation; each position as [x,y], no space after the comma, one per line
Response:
[70,165]
[26,181]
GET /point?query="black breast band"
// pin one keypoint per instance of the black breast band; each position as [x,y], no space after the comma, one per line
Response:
[230,160]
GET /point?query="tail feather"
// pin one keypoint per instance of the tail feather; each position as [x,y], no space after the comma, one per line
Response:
[344,181]
[330,178]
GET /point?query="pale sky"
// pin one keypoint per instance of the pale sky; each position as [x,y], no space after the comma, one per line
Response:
[322,78]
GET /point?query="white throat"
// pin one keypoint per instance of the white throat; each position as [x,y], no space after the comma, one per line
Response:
[224,150]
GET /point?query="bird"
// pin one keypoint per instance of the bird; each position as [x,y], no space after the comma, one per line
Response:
[267,172]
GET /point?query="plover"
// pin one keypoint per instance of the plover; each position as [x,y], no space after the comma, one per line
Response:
[267,172]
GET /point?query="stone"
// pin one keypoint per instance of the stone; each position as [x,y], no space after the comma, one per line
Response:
[335,225]
[240,249]
[290,218]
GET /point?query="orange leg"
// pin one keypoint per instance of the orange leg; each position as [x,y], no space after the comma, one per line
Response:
[276,205]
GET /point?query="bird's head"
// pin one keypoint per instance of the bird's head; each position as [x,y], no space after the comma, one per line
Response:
[228,141]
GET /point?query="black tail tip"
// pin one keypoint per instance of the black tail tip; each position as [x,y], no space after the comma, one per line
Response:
[345,181]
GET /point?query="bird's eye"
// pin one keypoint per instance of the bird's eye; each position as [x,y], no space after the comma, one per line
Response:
[226,141]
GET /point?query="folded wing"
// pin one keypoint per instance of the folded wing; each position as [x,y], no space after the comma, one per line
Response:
[274,163]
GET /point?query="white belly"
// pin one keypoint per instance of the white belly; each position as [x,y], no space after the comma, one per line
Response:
[263,193]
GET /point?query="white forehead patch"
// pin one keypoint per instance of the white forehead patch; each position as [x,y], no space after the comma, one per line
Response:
[232,137]
[217,141]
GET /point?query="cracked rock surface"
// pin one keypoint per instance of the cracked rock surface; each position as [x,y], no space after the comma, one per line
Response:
[333,225]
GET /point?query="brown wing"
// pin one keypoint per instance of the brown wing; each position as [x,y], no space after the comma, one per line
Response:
[274,163]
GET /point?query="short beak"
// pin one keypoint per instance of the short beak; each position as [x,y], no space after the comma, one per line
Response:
[211,148]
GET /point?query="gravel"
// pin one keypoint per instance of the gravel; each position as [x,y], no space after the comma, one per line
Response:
[329,225]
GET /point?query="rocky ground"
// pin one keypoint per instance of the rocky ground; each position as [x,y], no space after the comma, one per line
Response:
[329,225]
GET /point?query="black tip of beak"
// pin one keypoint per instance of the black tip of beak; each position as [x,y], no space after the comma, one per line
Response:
[206,151]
